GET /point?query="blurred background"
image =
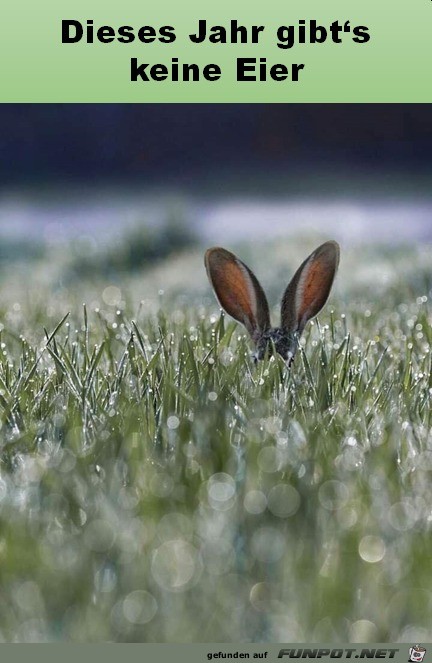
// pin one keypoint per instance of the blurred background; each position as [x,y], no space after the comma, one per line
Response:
[223,170]
[99,190]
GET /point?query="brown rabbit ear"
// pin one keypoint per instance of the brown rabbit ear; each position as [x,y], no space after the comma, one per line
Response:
[310,287]
[238,290]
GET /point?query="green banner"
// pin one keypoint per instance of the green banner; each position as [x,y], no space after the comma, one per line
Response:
[336,51]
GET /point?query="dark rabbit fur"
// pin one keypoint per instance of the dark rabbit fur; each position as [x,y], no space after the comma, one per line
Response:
[241,296]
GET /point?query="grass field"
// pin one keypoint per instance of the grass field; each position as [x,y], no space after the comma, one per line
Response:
[156,486]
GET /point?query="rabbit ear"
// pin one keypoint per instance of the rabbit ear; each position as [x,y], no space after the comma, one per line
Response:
[310,287]
[238,290]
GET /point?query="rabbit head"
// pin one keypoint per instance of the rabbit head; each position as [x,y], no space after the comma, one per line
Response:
[240,294]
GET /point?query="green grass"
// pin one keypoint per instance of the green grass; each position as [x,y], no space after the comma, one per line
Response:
[156,485]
